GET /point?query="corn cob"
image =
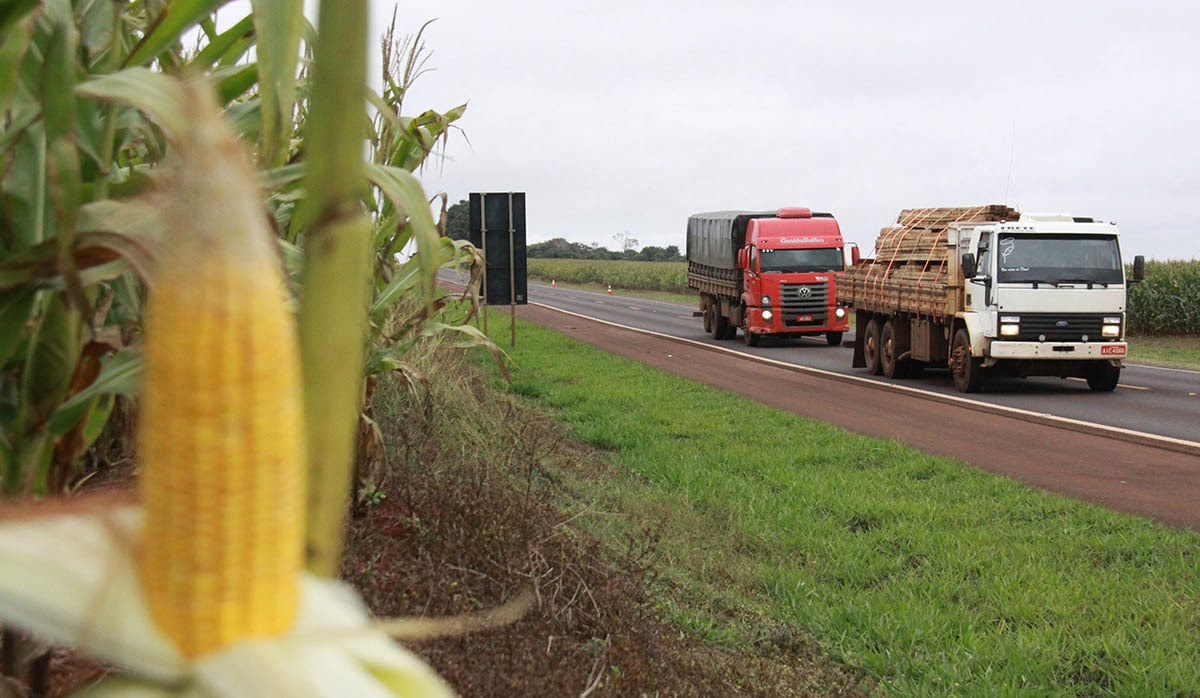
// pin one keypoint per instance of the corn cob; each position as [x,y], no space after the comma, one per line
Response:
[221,433]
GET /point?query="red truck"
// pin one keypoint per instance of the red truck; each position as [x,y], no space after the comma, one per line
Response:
[769,273]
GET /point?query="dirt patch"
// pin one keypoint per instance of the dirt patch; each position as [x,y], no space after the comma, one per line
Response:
[444,541]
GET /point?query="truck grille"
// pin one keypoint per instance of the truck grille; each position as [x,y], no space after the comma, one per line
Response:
[807,301]
[1066,327]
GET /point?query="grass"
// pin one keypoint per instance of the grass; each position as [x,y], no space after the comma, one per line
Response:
[1172,351]
[936,578]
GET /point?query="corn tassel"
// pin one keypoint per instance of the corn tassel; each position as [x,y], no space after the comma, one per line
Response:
[221,436]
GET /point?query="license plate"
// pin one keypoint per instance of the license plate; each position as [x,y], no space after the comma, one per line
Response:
[804,318]
[1112,350]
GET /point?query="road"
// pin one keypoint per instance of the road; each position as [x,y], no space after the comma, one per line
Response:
[1133,450]
[1158,402]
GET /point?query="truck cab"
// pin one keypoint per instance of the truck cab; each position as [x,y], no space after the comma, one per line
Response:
[1043,295]
[790,262]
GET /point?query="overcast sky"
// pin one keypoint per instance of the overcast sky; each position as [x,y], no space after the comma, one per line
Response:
[626,117]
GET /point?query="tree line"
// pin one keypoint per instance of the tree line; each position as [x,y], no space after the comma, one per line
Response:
[458,227]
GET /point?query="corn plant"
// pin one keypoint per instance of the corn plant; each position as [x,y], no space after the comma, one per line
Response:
[94,113]
[1168,301]
[79,88]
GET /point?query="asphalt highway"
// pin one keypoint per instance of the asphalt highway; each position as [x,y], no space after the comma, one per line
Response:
[1159,403]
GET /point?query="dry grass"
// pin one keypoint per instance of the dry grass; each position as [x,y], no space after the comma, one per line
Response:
[465,519]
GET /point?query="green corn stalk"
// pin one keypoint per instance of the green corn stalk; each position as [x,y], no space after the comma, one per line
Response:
[335,279]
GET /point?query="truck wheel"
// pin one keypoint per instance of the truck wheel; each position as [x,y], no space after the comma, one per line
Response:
[1104,377]
[833,338]
[888,351]
[750,337]
[708,319]
[871,346]
[966,369]
[720,325]
[730,330]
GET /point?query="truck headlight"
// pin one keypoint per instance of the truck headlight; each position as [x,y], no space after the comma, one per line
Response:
[1110,330]
[840,313]
[1010,325]
[766,315]
[765,301]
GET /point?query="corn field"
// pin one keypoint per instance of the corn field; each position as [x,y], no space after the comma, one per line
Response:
[1168,301]
[157,156]
[647,276]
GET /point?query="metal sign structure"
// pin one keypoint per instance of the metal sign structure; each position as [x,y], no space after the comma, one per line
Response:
[497,228]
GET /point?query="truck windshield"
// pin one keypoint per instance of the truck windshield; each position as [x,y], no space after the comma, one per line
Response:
[1055,259]
[801,261]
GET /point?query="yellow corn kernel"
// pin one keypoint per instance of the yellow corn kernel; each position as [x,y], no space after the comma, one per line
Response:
[221,432]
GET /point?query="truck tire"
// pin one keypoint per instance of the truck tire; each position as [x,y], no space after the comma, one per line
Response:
[708,318]
[966,369]
[750,337]
[720,325]
[833,338]
[871,346]
[1104,377]
[888,351]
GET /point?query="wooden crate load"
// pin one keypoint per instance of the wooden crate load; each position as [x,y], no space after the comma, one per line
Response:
[909,269]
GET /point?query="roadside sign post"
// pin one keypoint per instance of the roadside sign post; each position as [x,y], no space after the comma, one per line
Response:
[505,277]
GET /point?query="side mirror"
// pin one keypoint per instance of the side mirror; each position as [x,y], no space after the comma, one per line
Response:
[1139,268]
[744,258]
[968,265]
[855,255]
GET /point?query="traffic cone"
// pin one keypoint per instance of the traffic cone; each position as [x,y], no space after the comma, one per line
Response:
[610,289]
[552,283]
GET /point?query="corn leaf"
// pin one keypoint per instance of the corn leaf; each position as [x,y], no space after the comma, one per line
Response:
[404,191]
[409,275]
[278,26]
[51,362]
[174,20]
[235,81]
[159,96]
[228,47]
[15,307]
[121,375]
[14,42]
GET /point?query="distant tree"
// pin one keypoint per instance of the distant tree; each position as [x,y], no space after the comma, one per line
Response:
[626,243]
[458,221]
[559,248]
[650,253]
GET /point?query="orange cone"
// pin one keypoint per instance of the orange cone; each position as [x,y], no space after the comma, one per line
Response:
[551,283]
[610,289]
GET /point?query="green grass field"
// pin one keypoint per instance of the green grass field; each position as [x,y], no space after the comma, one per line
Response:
[937,578]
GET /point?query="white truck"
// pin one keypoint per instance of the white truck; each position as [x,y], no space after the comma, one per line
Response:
[986,291]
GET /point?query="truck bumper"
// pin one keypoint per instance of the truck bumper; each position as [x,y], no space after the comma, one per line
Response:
[1065,351]
[775,325]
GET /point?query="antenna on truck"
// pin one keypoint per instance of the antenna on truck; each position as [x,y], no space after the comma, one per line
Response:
[1012,151]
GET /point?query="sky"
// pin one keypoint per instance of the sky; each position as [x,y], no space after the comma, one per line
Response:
[623,118]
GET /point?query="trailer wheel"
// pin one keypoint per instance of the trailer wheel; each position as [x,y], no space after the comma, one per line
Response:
[966,369]
[708,318]
[871,346]
[1104,377]
[888,351]
[833,338]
